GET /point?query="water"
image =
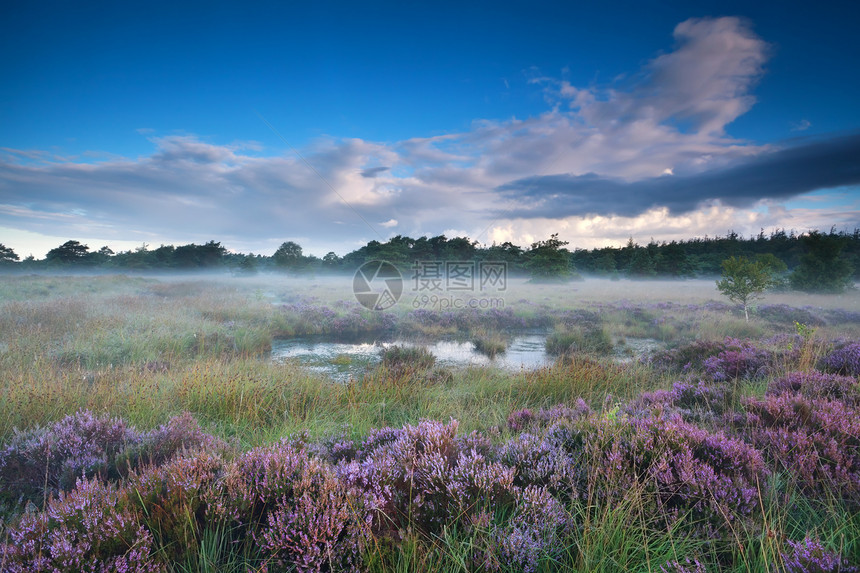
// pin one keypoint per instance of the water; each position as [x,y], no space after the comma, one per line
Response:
[344,360]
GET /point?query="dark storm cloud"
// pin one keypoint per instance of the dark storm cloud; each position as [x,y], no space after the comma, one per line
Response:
[372,172]
[777,175]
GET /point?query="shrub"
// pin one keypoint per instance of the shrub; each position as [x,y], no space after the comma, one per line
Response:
[682,471]
[295,507]
[788,315]
[92,528]
[320,526]
[814,384]
[697,402]
[845,360]
[173,498]
[816,440]
[739,360]
[82,445]
[533,533]
[687,357]
[809,556]
[425,477]
[180,434]
[688,472]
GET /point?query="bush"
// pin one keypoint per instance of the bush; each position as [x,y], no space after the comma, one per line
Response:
[814,384]
[809,556]
[816,440]
[687,357]
[42,462]
[845,360]
[86,446]
[696,402]
[173,499]
[682,471]
[739,360]
[92,528]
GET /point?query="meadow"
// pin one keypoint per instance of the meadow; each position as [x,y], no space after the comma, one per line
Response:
[144,427]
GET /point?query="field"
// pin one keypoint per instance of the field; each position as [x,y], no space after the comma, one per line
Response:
[145,427]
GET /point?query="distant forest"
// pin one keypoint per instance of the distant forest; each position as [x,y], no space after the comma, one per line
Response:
[699,257]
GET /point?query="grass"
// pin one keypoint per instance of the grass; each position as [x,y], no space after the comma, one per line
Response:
[490,343]
[146,350]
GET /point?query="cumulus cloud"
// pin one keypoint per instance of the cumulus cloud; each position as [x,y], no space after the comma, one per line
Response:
[647,151]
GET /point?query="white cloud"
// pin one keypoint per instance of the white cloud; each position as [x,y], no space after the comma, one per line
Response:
[669,118]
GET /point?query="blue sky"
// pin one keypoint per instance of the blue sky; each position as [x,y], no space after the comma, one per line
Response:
[130,123]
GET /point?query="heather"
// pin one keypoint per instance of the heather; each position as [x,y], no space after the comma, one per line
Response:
[144,429]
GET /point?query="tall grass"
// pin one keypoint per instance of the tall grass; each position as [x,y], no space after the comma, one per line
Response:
[147,350]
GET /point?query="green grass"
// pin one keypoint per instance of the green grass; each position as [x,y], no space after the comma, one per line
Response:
[146,350]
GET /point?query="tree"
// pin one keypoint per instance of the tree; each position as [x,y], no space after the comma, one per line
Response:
[641,264]
[821,268]
[331,261]
[548,260]
[778,270]
[7,255]
[744,281]
[70,252]
[288,256]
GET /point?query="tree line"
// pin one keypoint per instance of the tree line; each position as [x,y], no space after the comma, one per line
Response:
[808,261]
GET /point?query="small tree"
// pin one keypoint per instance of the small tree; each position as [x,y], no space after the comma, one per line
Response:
[549,260]
[745,281]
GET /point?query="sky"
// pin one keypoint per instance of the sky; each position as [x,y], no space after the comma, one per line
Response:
[331,124]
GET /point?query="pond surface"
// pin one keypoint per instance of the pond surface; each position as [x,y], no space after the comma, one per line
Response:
[344,360]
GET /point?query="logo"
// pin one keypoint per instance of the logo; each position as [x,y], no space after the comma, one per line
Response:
[377,285]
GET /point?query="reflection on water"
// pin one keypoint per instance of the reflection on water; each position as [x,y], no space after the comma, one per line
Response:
[344,360]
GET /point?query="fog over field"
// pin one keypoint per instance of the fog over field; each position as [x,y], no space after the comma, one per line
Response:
[405,287]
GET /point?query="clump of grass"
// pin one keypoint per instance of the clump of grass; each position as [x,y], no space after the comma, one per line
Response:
[342,360]
[405,361]
[490,343]
[579,340]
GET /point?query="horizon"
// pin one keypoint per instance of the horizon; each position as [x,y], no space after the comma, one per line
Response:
[739,236]
[332,124]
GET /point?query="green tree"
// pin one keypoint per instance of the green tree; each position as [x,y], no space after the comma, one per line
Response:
[549,260]
[821,268]
[247,265]
[744,281]
[288,256]
[641,264]
[7,255]
[778,270]
[70,252]
[331,261]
